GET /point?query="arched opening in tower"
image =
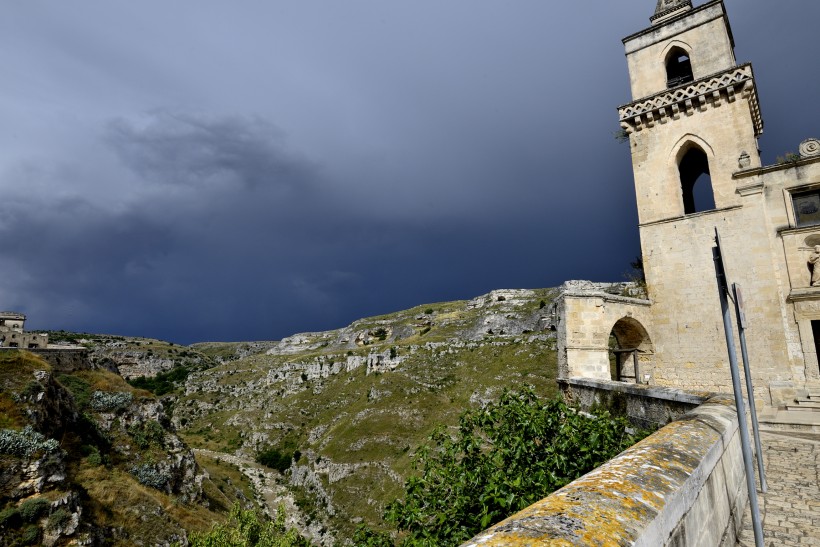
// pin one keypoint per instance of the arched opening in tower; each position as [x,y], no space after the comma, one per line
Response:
[696,182]
[630,349]
[678,68]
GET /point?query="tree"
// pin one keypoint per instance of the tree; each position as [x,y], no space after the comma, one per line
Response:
[503,458]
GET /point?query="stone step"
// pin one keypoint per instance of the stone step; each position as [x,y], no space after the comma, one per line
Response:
[810,406]
[790,420]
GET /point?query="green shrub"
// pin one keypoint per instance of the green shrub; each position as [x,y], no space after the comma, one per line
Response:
[366,537]
[249,529]
[428,311]
[10,518]
[149,475]
[58,519]
[32,509]
[26,442]
[503,458]
[79,389]
[275,459]
[147,433]
[110,401]
[31,535]
[164,382]
[94,458]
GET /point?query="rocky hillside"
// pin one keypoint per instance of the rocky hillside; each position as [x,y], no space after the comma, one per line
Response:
[324,424]
[135,357]
[347,408]
[87,459]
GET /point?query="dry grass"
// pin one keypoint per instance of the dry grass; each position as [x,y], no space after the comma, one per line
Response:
[17,367]
[10,415]
[117,500]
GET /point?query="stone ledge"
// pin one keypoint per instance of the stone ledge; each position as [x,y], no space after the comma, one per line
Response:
[654,392]
[806,293]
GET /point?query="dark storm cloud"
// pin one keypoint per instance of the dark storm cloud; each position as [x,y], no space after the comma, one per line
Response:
[284,166]
[197,150]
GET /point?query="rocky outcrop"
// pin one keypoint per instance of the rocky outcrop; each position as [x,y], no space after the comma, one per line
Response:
[41,493]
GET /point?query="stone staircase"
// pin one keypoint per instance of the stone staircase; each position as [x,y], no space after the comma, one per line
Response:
[801,414]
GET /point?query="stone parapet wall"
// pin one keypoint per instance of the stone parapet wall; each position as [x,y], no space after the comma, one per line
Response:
[645,406]
[683,485]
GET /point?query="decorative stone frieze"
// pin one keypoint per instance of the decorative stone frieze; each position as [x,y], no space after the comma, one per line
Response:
[687,99]
[810,148]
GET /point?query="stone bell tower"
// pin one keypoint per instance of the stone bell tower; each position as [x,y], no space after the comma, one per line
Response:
[693,123]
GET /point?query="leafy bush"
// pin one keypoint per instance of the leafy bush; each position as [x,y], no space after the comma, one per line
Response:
[31,535]
[10,518]
[366,537]
[107,401]
[504,457]
[275,459]
[92,455]
[164,382]
[26,442]
[32,509]
[58,519]
[149,475]
[249,529]
[79,388]
[147,433]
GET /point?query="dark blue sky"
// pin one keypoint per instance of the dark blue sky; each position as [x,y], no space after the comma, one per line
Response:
[220,171]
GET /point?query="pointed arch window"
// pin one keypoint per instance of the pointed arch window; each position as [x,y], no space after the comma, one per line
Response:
[678,68]
[695,181]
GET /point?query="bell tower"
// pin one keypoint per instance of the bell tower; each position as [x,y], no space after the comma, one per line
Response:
[694,111]
[693,123]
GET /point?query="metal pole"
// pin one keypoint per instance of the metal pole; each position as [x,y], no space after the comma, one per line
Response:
[723,290]
[741,329]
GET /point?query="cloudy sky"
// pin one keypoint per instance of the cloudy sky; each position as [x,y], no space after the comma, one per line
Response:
[207,170]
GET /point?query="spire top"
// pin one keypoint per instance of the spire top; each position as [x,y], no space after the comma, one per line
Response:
[669,8]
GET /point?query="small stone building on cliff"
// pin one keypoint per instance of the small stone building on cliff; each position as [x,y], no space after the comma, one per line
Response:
[693,125]
[13,336]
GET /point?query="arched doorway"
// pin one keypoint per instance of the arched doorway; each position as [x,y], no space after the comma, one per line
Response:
[630,351]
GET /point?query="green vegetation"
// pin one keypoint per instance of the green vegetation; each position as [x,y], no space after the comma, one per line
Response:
[788,157]
[275,459]
[369,422]
[503,458]
[249,529]
[164,382]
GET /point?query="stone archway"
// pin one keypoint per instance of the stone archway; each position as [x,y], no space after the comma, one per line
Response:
[587,315]
[632,351]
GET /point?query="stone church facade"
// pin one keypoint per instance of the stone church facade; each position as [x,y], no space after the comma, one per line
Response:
[692,127]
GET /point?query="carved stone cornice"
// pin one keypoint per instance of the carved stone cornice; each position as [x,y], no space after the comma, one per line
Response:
[666,8]
[694,97]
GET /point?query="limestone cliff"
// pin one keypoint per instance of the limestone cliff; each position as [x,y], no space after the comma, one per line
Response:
[85,458]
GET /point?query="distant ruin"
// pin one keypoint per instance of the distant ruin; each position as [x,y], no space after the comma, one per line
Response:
[12,334]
